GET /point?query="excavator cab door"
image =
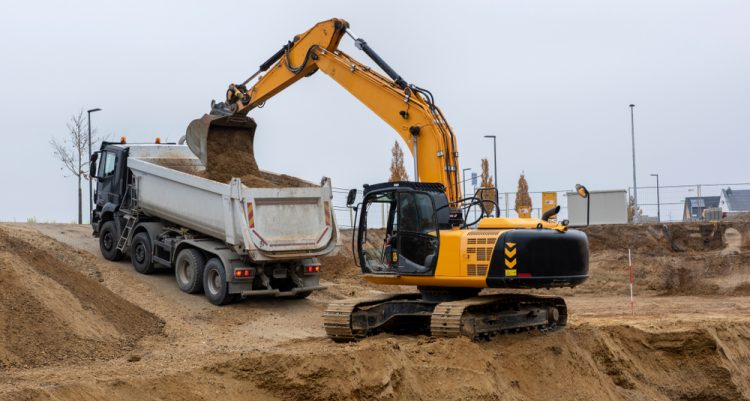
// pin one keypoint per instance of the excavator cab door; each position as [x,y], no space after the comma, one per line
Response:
[417,233]
[398,233]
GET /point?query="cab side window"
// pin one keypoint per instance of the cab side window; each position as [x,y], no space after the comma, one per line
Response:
[107,166]
[427,222]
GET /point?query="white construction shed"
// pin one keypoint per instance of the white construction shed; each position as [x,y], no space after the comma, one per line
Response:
[607,207]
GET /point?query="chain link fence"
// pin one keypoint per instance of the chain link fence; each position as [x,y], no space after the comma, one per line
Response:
[670,203]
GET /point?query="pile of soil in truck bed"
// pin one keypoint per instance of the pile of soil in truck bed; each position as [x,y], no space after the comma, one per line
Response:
[230,154]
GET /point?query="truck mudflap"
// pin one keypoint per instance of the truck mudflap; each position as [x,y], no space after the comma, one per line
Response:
[279,293]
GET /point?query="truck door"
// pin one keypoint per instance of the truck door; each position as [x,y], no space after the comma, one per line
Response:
[107,183]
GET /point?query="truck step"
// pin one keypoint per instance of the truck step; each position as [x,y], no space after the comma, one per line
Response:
[122,242]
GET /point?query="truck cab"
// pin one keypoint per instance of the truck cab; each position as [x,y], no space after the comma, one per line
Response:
[109,167]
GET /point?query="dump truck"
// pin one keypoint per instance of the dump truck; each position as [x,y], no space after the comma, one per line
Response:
[227,240]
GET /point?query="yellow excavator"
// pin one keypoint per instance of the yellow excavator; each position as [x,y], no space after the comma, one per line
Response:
[417,233]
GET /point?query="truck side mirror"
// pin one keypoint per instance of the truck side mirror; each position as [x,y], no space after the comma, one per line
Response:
[351,196]
[92,165]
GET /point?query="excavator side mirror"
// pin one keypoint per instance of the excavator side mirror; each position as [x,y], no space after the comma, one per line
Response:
[92,165]
[351,196]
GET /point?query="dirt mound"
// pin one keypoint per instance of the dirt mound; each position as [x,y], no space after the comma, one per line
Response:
[741,216]
[660,239]
[673,348]
[230,154]
[670,259]
[51,313]
[339,266]
[582,363]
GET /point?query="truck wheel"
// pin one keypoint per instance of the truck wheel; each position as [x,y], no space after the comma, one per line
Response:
[108,237]
[140,254]
[188,270]
[215,283]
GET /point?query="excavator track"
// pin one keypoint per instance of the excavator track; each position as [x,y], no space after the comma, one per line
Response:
[477,317]
[337,318]
[484,316]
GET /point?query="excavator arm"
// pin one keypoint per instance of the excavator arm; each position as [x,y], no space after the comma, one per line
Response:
[408,109]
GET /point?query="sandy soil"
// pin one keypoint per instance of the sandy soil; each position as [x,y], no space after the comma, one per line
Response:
[679,345]
[230,153]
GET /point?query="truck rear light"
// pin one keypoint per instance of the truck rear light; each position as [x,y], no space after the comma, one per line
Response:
[244,272]
[312,269]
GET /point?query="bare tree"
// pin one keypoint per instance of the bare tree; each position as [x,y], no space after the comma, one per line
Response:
[73,153]
[398,170]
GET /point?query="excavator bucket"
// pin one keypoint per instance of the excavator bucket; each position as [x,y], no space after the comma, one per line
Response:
[199,130]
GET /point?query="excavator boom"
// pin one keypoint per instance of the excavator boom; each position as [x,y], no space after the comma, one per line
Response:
[408,109]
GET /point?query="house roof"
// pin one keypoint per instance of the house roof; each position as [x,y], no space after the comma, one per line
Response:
[702,201]
[737,200]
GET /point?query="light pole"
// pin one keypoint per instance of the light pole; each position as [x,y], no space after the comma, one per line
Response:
[91,195]
[635,187]
[497,185]
[463,182]
[658,202]
[584,193]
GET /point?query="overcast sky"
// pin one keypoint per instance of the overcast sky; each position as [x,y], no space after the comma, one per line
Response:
[551,79]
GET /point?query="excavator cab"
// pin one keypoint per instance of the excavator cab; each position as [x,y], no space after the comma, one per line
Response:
[399,227]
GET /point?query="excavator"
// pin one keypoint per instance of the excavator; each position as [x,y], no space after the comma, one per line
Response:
[416,233]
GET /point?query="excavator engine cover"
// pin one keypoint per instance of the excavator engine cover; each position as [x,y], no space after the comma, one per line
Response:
[199,130]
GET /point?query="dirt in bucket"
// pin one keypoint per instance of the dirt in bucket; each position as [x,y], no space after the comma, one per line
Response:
[230,154]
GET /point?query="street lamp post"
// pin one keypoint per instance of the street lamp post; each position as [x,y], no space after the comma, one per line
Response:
[463,180]
[584,193]
[658,202]
[497,180]
[91,194]
[635,186]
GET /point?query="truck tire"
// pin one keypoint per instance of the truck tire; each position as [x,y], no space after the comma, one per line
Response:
[215,284]
[188,270]
[108,237]
[140,253]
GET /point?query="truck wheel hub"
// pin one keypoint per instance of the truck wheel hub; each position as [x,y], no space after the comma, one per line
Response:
[140,253]
[108,240]
[214,281]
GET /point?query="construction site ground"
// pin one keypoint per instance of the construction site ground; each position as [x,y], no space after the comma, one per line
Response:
[77,327]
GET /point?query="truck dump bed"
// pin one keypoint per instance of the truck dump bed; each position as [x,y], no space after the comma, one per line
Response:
[266,223]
